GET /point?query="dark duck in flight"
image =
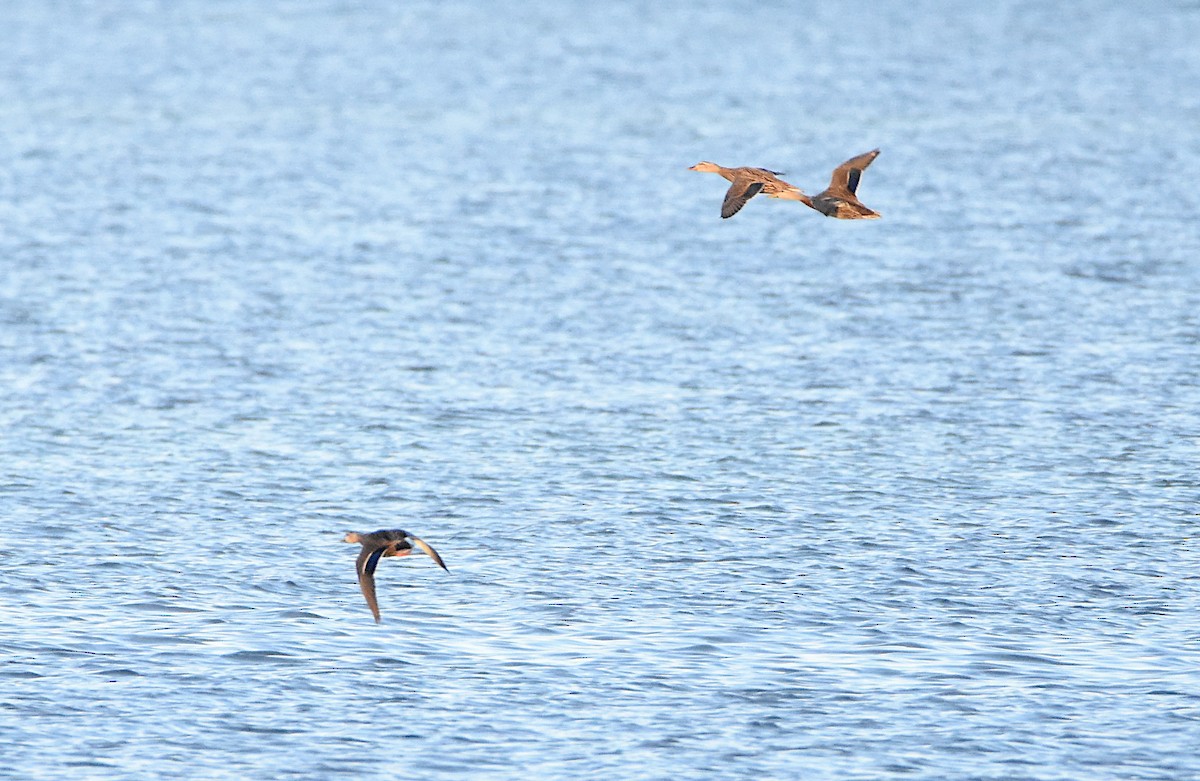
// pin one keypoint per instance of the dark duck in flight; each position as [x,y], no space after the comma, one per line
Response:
[381,544]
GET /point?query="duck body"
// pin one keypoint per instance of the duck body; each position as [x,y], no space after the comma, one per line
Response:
[383,544]
[745,183]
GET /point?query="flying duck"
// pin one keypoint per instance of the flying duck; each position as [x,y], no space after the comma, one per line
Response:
[381,544]
[747,183]
[838,199]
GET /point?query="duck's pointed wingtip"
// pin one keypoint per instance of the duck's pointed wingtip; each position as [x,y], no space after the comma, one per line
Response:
[429,551]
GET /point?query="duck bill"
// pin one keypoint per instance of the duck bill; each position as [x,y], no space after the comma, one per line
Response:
[430,551]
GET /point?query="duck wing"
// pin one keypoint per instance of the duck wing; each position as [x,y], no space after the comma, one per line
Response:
[847,175]
[368,559]
[740,192]
[429,551]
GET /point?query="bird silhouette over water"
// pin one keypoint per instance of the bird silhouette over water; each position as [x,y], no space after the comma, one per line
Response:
[382,544]
[837,200]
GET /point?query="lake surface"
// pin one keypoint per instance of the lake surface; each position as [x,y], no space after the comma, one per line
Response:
[772,497]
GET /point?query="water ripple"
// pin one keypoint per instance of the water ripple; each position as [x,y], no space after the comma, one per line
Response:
[771,497]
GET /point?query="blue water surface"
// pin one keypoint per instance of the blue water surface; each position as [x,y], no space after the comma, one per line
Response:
[773,497]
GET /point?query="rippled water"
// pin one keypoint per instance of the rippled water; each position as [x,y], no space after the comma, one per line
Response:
[772,497]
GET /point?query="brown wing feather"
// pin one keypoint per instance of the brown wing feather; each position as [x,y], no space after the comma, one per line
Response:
[846,176]
[739,192]
[429,551]
[367,560]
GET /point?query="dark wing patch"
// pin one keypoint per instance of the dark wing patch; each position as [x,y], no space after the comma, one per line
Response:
[737,196]
[852,180]
[373,560]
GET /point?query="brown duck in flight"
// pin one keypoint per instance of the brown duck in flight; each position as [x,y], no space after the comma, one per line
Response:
[747,183]
[837,200]
[381,544]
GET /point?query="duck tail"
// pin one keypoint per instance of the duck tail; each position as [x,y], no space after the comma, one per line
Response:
[795,194]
